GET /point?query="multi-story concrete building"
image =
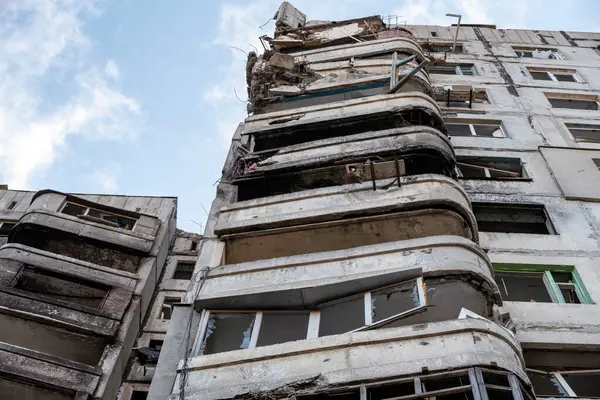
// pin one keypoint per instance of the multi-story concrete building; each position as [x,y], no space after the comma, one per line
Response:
[408,212]
[78,280]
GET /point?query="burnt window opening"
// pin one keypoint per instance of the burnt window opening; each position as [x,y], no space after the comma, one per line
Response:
[11,205]
[491,168]
[453,69]
[513,218]
[482,128]
[52,285]
[184,270]
[6,227]
[166,310]
[138,395]
[573,101]
[541,283]
[585,133]
[297,134]
[225,331]
[423,162]
[467,384]
[97,215]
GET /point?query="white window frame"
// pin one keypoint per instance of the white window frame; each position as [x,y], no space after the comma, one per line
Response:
[315,315]
[486,170]
[552,72]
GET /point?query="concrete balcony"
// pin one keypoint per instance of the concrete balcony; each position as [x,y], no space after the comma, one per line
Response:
[331,162]
[404,46]
[343,217]
[348,359]
[306,124]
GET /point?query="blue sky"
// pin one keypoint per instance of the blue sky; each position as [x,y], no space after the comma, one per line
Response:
[137,96]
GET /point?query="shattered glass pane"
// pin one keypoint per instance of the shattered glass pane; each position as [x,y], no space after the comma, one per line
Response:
[394,300]
[227,331]
[545,384]
[488,130]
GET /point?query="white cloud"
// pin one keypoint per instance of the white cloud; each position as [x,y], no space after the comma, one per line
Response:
[112,70]
[106,177]
[42,43]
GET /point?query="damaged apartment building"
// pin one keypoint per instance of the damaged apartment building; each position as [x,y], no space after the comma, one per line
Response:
[87,284]
[408,212]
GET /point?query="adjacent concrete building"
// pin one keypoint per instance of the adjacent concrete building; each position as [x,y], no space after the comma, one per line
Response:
[78,284]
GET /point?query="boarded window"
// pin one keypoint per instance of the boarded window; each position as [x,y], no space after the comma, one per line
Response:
[184,270]
[61,287]
[490,168]
[513,218]
[584,133]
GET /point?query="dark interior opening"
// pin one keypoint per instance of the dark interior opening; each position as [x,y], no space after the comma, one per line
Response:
[512,218]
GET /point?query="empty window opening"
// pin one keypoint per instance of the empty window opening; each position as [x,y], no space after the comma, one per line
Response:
[584,133]
[483,128]
[596,162]
[453,69]
[96,215]
[5,227]
[62,287]
[184,270]
[193,245]
[166,310]
[226,331]
[554,74]
[392,390]
[513,218]
[138,395]
[156,344]
[532,52]
[461,96]
[490,168]
[11,205]
[573,101]
[541,283]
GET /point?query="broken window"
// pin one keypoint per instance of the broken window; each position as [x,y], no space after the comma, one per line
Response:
[184,270]
[573,101]
[564,383]
[52,285]
[453,69]
[465,384]
[554,74]
[513,218]
[584,133]
[500,168]
[96,215]
[166,309]
[11,205]
[5,227]
[441,47]
[541,283]
[596,162]
[483,128]
[225,331]
[463,96]
[532,52]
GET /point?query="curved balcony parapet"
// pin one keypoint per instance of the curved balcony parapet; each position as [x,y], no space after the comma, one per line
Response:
[311,123]
[398,141]
[303,281]
[347,201]
[352,358]
[402,45]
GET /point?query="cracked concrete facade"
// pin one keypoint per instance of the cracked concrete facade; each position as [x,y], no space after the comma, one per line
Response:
[338,188]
